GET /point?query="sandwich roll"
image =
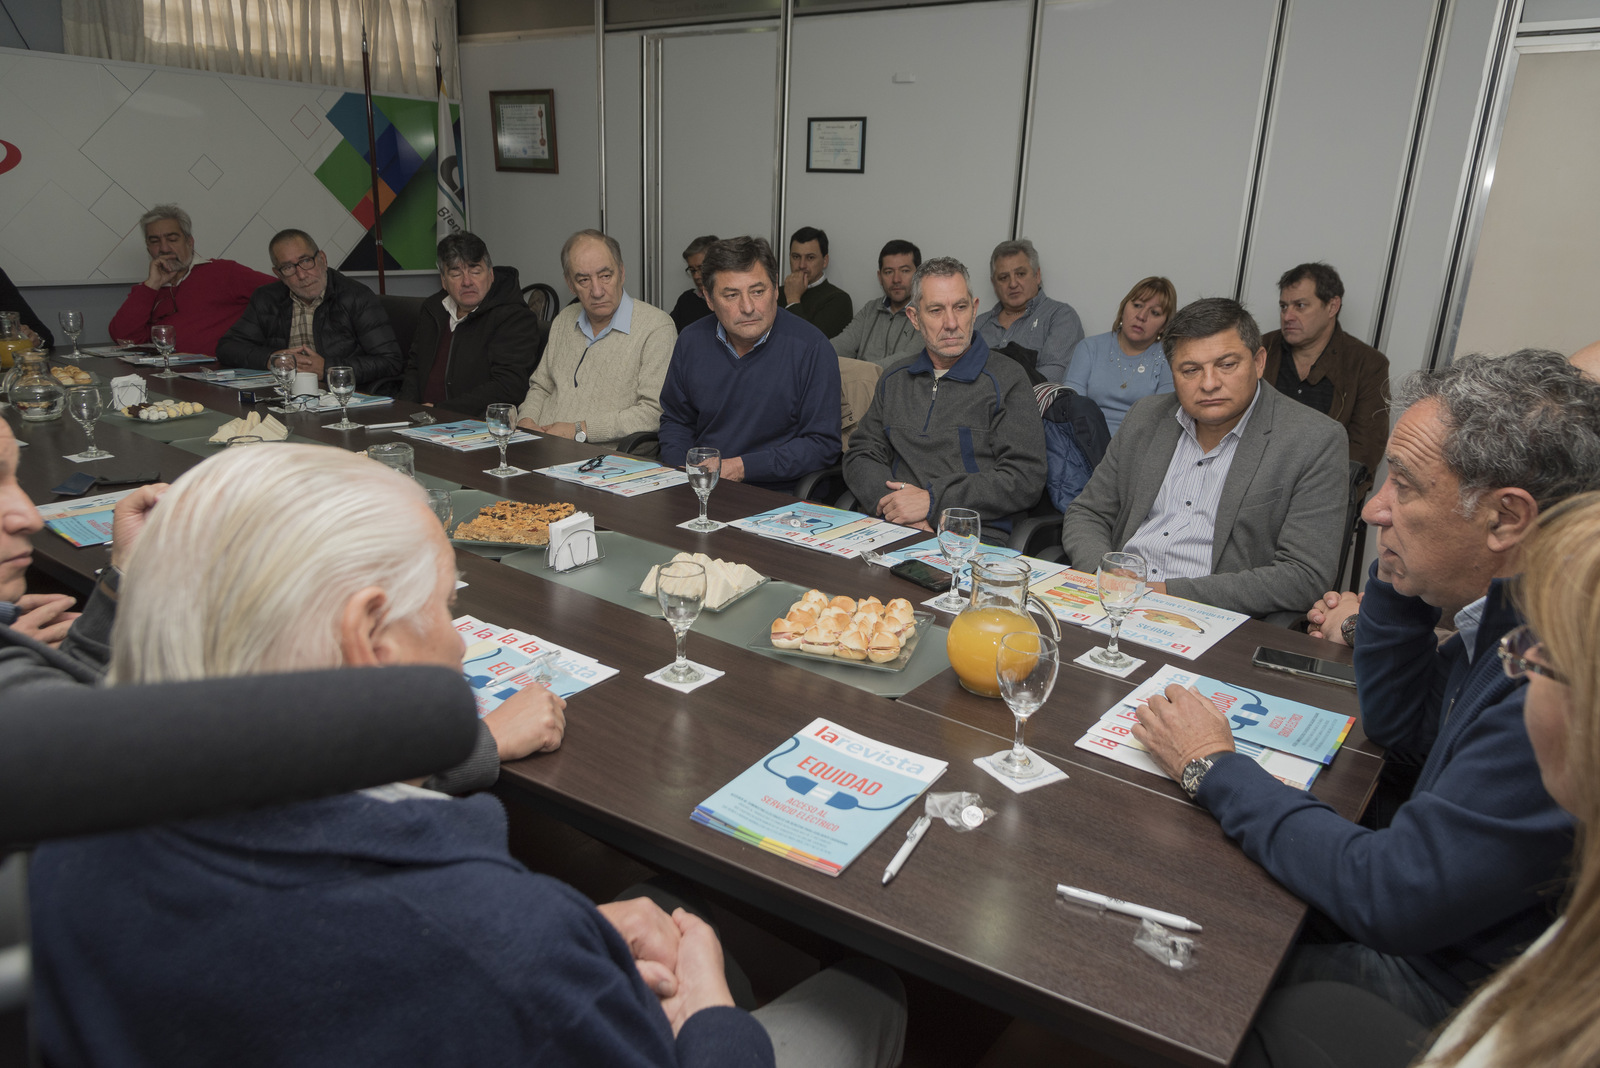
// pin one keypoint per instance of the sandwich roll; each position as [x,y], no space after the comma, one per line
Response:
[785,635]
[852,645]
[883,648]
[844,604]
[818,641]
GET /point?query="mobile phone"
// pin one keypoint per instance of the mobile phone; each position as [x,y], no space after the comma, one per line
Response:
[1305,666]
[923,574]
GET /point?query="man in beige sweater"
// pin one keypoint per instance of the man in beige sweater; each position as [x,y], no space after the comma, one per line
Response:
[600,379]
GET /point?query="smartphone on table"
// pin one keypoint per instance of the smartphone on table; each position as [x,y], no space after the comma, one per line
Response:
[1308,667]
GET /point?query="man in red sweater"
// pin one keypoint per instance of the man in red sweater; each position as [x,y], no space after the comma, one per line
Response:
[200,298]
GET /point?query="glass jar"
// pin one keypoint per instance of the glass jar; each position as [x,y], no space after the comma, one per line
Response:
[998,606]
[12,340]
[35,393]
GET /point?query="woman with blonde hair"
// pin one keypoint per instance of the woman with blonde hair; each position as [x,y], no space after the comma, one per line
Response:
[1117,368]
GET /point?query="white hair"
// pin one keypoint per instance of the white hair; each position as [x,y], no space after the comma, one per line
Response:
[247,563]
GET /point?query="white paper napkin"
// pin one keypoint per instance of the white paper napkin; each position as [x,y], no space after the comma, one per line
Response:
[1134,663]
[711,675]
[1050,774]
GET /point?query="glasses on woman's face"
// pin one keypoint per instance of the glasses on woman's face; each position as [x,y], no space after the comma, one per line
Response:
[1518,652]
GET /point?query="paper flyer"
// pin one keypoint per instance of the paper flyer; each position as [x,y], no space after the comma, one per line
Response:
[821,797]
[626,476]
[829,530]
[500,661]
[85,521]
[1171,624]
[464,435]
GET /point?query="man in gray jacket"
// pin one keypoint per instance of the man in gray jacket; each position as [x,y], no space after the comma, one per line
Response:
[1187,483]
[881,333]
[952,426]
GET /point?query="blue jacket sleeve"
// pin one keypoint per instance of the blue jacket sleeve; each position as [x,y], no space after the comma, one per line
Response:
[1400,673]
[677,414]
[816,441]
[1076,377]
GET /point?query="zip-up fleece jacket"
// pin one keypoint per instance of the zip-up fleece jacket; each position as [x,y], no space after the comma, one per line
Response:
[972,438]
[492,351]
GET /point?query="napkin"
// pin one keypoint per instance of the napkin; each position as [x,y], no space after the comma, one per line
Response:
[252,425]
[127,391]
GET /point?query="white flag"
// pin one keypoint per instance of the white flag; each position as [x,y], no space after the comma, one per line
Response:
[452,212]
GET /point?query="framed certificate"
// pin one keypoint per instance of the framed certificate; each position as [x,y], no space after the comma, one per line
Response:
[524,130]
[836,145]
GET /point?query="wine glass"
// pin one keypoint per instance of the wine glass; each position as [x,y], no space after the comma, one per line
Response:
[1025,666]
[72,326]
[502,420]
[86,404]
[443,506]
[959,531]
[283,366]
[704,466]
[342,384]
[164,338]
[681,589]
[1121,579]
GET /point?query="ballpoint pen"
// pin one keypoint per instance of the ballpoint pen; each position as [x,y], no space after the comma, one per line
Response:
[1101,901]
[913,836]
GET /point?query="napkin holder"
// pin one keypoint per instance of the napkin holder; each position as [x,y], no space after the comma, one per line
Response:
[573,543]
[127,391]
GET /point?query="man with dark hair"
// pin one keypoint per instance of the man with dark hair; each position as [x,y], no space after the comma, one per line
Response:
[952,426]
[321,316]
[753,381]
[1026,325]
[1314,361]
[692,301]
[476,342]
[807,292]
[880,333]
[1189,485]
[1422,904]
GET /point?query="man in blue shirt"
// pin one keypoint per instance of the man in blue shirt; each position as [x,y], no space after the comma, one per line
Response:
[754,382]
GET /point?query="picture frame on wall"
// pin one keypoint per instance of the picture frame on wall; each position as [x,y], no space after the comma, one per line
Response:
[837,145]
[524,130]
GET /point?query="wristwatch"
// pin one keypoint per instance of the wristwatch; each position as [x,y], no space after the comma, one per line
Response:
[1347,630]
[581,435]
[1193,773]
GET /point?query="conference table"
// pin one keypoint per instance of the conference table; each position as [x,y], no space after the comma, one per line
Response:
[976,912]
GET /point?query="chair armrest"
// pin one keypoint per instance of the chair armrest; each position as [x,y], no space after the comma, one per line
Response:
[847,501]
[1032,529]
[634,442]
[808,483]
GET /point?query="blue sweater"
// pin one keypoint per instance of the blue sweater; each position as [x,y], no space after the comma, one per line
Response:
[1101,371]
[348,931]
[777,407]
[1466,874]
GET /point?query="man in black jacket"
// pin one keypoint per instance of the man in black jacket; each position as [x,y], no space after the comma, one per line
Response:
[324,318]
[476,341]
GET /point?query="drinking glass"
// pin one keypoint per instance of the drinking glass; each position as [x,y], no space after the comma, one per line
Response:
[1025,666]
[681,589]
[395,454]
[163,337]
[704,466]
[502,420]
[85,405]
[1121,578]
[283,365]
[959,531]
[443,506]
[72,326]
[342,384]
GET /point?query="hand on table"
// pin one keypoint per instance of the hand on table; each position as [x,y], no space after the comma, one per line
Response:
[164,270]
[1182,726]
[794,287]
[561,430]
[905,504]
[128,519]
[306,359]
[702,983]
[532,720]
[1327,616]
[652,938]
[44,617]
[732,468]
[529,424]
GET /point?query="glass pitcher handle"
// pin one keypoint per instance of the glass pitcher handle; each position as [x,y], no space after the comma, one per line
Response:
[1044,609]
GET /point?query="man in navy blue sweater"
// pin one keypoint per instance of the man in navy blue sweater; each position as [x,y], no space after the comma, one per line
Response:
[1462,875]
[757,383]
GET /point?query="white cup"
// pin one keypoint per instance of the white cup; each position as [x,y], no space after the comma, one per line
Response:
[305,384]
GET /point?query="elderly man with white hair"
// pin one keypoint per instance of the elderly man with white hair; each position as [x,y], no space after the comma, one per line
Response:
[384,926]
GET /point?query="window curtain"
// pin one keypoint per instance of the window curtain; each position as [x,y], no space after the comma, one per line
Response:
[295,40]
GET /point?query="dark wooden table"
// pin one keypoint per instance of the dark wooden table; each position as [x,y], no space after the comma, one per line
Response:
[976,912]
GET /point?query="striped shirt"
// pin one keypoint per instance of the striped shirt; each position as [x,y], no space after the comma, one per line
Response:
[1177,537]
[302,316]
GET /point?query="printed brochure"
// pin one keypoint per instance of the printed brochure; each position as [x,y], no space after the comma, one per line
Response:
[85,521]
[500,661]
[1171,624]
[829,530]
[626,476]
[465,435]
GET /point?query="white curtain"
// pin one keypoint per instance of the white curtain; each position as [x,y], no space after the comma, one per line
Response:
[295,40]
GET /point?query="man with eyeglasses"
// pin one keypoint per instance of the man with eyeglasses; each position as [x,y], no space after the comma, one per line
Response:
[198,298]
[323,317]
[1426,898]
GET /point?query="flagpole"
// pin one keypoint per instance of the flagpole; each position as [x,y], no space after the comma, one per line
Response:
[372,150]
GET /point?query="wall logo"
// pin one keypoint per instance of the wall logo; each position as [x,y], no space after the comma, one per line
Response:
[12,157]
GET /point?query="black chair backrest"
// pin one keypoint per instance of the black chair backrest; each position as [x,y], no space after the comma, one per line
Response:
[403,314]
[544,302]
[1352,515]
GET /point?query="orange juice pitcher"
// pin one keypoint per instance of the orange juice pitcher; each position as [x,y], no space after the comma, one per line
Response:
[999,606]
[12,340]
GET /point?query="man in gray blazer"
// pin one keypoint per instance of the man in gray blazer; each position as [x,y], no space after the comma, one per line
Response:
[1235,496]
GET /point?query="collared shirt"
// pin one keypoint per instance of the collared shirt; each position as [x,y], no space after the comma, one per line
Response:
[453,312]
[1178,536]
[302,315]
[621,320]
[821,278]
[723,337]
[1047,328]
[1467,621]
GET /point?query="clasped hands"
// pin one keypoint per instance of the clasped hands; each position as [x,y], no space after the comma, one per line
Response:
[678,956]
[907,505]
[1327,616]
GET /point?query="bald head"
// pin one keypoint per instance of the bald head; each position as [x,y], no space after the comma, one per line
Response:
[1587,360]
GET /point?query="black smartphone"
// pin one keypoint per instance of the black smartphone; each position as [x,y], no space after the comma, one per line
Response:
[923,574]
[1305,666]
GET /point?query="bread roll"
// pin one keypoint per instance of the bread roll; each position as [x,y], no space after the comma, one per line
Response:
[843,603]
[785,635]
[852,645]
[818,641]
[899,602]
[816,597]
[883,648]
[805,617]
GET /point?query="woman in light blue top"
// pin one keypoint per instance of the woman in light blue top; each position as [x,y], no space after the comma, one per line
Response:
[1118,368]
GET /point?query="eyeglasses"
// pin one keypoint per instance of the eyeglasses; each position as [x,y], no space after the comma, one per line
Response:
[304,263]
[1514,650]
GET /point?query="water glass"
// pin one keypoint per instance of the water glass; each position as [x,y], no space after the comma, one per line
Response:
[72,326]
[704,467]
[1121,579]
[960,531]
[1025,665]
[443,506]
[395,454]
[502,420]
[342,384]
[283,366]
[681,590]
[164,338]
[85,404]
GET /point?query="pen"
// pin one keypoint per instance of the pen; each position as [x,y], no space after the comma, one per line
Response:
[387,426]
[913,836]
[1101,901]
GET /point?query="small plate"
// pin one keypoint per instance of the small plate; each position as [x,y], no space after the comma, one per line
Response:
[472,543]
[924,620]
[735,599]
[116,413]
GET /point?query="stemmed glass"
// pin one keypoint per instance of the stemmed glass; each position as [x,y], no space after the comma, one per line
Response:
[502,420]
[342,384]
[283,366]
[1025,666]
[704,467]
[164,339]
[86,404]
[72,326]
[681,589]
[959,532]
[1122,583]
[443,506]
